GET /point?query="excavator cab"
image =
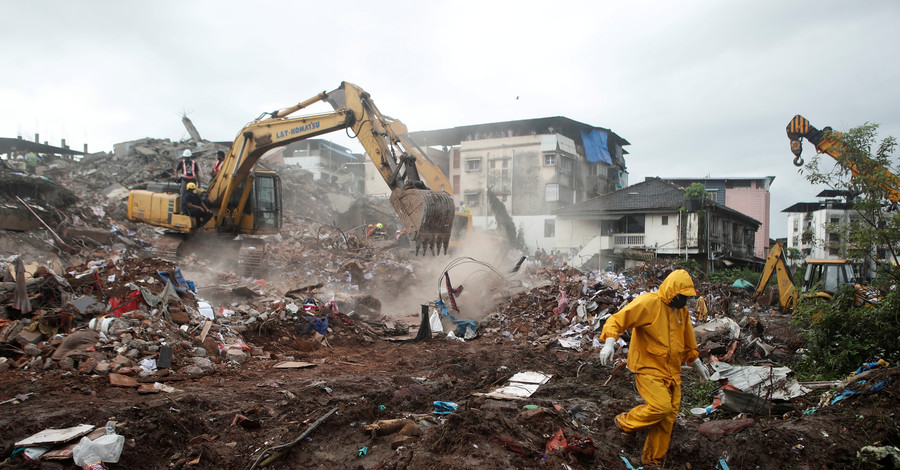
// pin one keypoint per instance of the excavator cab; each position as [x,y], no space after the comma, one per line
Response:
[830,275]
[263,208]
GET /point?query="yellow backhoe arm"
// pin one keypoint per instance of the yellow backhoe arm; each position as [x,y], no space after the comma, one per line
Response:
[775,263]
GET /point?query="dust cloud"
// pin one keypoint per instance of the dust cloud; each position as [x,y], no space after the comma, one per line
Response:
[481,266]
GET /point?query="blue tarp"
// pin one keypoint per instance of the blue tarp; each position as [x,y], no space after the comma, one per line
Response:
[595,146]
[461,325]
[444,407]
[320,325]
[179,283]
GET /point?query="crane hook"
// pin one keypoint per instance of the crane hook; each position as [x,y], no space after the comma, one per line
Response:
[797,149]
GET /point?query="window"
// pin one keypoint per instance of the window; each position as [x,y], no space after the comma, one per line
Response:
[473,165]
[551,192]
[835,220]
[549,159]
[493,164]
[566,164]
[593,169]
[456,159]
[665,220]
[549,228]
[473,199]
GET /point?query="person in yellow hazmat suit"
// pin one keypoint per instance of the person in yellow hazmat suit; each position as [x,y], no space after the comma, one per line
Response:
[662,338]
[702,310]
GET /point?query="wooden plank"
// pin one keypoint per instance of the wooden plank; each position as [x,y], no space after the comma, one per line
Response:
[293,365]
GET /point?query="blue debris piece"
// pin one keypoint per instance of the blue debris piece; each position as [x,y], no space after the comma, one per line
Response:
[444,407]
[179,283]
[461,325]
[320,325]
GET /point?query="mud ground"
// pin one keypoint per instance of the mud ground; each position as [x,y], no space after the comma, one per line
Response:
[369,379]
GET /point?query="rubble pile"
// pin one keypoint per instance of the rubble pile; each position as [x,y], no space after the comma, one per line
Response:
[570,308]
[193,365]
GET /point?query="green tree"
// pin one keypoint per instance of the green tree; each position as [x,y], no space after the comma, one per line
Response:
[874,232]
[695,190]
[794,255]
[843,332]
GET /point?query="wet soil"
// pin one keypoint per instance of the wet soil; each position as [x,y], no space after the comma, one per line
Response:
[367,379]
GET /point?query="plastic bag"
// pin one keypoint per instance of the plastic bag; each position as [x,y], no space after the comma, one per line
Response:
[107,448]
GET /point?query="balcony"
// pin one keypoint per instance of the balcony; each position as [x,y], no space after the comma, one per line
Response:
[628,240]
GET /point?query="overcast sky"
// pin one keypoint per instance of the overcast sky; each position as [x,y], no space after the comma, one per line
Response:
[699,88]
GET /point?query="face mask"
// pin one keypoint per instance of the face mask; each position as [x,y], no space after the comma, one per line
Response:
[678,302]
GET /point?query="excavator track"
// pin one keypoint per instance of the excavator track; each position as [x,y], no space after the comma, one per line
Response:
[167,246]
[427,215]
[250,256]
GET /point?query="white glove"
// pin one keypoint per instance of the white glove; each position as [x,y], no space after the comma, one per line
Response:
[701,369]
[608,350]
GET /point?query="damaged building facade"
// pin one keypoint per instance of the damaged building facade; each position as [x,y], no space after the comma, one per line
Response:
[533,166]
[747,195]
[648,220]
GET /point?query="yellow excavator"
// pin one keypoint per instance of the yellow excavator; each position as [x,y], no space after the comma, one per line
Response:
[247,201]
[823,279]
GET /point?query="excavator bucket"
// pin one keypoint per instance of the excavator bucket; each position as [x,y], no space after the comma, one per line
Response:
[427,215]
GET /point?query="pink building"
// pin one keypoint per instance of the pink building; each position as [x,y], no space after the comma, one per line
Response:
[749,196]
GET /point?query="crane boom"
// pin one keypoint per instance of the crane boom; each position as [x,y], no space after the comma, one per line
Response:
[829,141]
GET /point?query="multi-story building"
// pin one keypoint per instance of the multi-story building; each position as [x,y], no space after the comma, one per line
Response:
[812,225]
[533,166]
[649,220]
[746,195]
[328,162]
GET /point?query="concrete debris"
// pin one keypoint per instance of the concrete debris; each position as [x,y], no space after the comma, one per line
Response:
[86,301]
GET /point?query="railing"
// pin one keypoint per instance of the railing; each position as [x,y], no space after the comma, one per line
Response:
[628,240]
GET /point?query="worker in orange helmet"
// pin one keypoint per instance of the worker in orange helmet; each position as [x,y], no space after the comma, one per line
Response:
[662,338]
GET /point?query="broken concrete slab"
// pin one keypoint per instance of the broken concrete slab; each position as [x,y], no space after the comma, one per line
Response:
[115,191]
[87,305]
[723,427]
[119,380]
[520,386]
[17,219]
[55,436]
[99,236]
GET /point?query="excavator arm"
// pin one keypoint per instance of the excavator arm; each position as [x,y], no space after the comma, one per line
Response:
[776,264]
[427,214]
[829,141]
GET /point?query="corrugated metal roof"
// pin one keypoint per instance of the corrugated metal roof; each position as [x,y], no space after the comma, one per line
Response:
[334,148]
